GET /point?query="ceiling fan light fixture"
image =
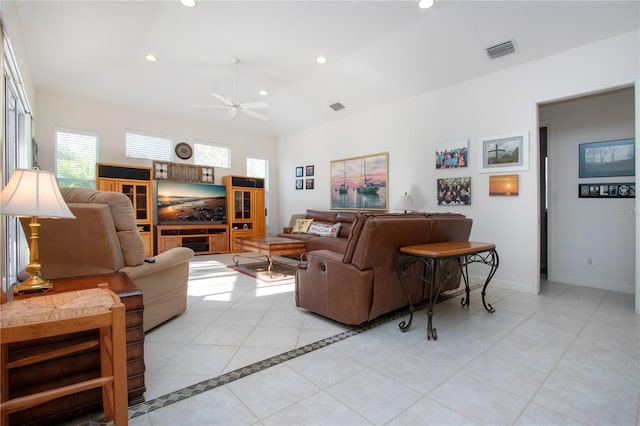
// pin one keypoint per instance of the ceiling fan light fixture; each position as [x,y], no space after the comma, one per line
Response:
[425,4]
[188,3]
[321,60]
[150,57]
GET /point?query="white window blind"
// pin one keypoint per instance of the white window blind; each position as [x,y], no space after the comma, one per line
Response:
[139,145]
[211,155]
[76,157]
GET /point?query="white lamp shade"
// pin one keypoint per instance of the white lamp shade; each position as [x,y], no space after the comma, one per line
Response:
[405,203]
[32,192]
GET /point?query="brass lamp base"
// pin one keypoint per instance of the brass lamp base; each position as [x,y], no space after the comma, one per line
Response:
[32,285]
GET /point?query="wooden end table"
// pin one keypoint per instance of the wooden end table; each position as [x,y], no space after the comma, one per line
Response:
[268,247]
[434,256]
[86,364]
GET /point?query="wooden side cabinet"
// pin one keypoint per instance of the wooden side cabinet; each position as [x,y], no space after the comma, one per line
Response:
[245,207]
[79,366]
[202,239]
[135,183]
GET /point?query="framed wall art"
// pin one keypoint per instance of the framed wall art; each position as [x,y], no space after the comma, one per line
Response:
[607,190]
[452,155]
[454,191]
[505,153]
[309,170]
[309,183]
[608,158]
[360,182]
[299,184]
[506,185]
[299,171]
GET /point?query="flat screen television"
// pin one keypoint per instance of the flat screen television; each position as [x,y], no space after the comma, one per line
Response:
[181,203]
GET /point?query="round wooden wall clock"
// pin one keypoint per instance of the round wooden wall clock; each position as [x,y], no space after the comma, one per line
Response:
[184,151]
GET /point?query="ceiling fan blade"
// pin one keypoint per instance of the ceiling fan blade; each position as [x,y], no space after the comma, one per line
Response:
[209,106]
[255,105]
[255,114]
[222,99]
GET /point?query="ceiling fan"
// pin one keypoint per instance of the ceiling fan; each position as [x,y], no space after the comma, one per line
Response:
[233,106]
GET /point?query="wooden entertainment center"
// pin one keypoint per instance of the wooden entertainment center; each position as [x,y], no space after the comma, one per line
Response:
[246,217]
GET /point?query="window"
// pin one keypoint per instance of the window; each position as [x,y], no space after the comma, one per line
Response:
[139,145]
[211,155]
[76,157]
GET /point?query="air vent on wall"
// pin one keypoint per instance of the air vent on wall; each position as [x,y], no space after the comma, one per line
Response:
[337,106]
[501,49]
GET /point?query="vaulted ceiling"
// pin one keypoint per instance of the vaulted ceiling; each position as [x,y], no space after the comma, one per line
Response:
[378,51]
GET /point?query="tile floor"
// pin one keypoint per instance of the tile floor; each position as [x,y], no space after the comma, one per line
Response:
[569,356]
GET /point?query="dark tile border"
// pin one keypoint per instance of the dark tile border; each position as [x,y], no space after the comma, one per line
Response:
[193,390]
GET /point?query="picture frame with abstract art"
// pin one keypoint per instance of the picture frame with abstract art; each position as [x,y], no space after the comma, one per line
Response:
[505,153]
[452,155]
[608,158]
[454,191]
[360,183]
[505,185]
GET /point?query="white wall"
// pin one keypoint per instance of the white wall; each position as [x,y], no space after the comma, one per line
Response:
[495,104]
[582,228]
[111,121]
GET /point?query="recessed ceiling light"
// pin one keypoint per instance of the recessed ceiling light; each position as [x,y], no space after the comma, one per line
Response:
[263,92]
[151,58]
[321,60]
[188,3]
[425,4]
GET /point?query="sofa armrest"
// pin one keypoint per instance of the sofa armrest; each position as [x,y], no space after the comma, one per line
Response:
[162,261]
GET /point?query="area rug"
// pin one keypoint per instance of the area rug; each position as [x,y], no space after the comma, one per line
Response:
[279,271]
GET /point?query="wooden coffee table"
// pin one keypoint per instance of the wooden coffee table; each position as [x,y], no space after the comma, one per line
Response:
[268,247]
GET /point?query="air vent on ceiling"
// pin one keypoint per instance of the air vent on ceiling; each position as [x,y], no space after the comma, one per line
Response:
[337,106]
[501,49]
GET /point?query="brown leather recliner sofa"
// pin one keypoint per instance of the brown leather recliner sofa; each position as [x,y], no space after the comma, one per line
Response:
[362,283]
[103,238]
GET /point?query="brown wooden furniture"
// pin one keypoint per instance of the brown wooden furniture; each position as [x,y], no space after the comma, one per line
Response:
[83,365]
[246,213]
[434,256]
[202,239]
[61,313]
[268,247]
[135,183]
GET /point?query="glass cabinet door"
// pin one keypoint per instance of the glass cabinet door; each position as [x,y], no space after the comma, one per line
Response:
[237,204]
[140,204]
[247,205]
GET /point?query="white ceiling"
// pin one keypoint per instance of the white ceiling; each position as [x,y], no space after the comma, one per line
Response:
[379,51]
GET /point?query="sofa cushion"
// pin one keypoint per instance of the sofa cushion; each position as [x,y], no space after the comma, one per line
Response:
[346,220]
[301,226]
[324,229]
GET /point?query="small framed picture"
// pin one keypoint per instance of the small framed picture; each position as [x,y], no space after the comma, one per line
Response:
[452,155]
[309,184]
[506,185]
[309,171]
[505,153]
[607,190]
[299,184]
[299,171]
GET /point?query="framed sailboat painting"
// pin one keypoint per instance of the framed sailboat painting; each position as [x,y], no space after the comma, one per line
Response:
[360,183]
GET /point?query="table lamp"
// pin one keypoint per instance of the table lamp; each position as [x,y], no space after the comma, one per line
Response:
[405,203]
[33,193]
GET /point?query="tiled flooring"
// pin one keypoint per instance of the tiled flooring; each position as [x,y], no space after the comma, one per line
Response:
[569,356]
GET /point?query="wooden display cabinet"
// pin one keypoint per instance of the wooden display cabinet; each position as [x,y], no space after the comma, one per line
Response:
[246,213]
[135,183]
[202,239]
